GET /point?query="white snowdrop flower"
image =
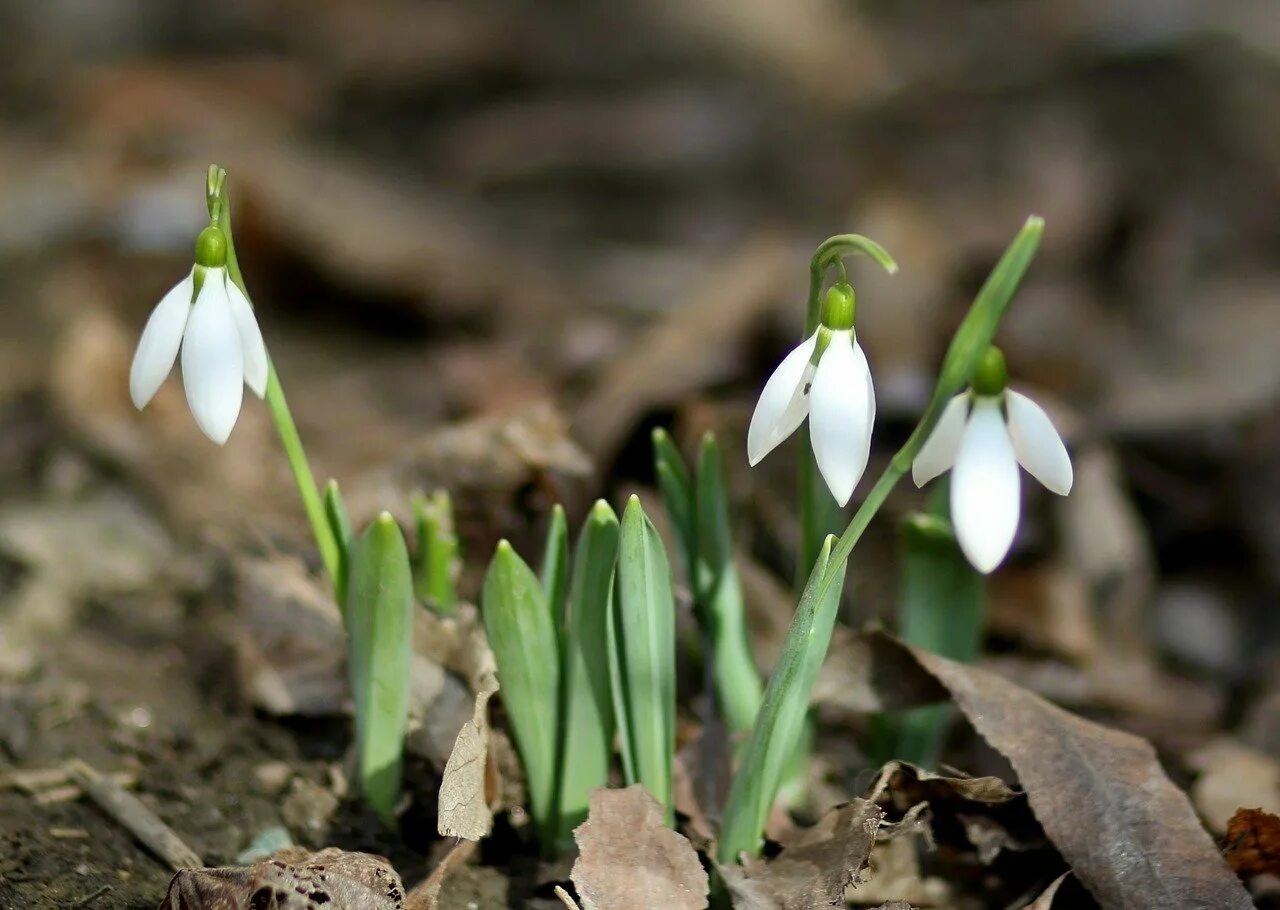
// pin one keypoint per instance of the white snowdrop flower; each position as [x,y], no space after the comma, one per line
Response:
[222,348]
[984,434]
[826,378]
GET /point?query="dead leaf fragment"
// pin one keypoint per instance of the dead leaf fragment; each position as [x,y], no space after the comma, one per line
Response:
[1129,834]
[814,869]
[294,879]
[464,809]
[1045,900]
[630,860]
[1253,842]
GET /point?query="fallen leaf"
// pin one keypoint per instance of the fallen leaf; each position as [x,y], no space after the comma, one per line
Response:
[1253,842]
[812,870]
[1045,900]
[331,879]
[630,860]
[1130,835]
[464,809]
[964,813]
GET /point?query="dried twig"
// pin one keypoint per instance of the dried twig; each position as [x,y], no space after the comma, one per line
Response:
[130,812]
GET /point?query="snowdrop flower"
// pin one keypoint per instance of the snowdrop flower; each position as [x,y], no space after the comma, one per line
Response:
[826,379]
[208,317]
[984,434]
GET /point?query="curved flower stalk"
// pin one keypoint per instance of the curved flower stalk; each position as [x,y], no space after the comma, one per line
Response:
[208,317]
[826,378]
[984,434]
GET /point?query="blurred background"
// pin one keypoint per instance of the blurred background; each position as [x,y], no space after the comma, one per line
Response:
[492,244]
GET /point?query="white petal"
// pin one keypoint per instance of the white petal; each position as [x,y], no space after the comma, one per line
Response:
[985,498]
[938,453]
[256,365]
[783,403]
[841,411]
[158,346]
[1037,444]
[213,361]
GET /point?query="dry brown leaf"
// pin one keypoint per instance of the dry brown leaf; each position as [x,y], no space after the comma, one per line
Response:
[1253,842]
[464,809]
[1129,834]
[294,879]
[1045,900]
[630,860]
[814,869]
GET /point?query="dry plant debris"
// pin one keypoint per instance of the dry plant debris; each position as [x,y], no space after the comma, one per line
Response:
[1253,843]
[1129,834]
[630,860]
[294,879]
[815,867]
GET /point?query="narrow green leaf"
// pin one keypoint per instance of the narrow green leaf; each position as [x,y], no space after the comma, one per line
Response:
[586,740]
[782,715]
[645,631]
[335,511]
[436,564]
[555,566]
[718,599]
[676,487]
[979,326]
[525,647]
[380,624]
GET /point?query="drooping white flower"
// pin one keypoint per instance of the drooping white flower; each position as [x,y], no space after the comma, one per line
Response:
[984,434]
[222,347]
[833,389]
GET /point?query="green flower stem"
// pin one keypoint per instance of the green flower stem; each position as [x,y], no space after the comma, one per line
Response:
[312,502]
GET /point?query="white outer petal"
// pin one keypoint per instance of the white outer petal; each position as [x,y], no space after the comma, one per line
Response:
[783,403]
[1037,444]
[158,346]
[841,412]
[985,497]
[213,361]
[256,365]
[938,453]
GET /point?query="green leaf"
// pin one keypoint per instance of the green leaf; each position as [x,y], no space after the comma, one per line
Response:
[979,326]
[380,624]
[643,638]
[525,647]
[555,566]
[586,741]
[718,599]
[782,715]
[941,611]
[436,564]
[335,510]
[676,487]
